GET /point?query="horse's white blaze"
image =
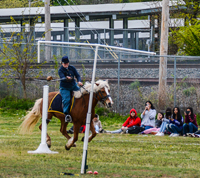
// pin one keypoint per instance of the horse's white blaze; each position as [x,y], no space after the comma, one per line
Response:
[107,92]
[69,142]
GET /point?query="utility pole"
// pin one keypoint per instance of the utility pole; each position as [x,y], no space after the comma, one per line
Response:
[163,51]
[47,30]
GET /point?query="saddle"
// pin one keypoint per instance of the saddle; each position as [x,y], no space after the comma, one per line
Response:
[56,104]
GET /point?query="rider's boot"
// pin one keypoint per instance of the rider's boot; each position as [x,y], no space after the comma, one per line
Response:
[68,118]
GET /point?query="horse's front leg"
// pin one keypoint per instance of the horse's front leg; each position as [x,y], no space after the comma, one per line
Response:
[93,131]
[63,130]
[72,140]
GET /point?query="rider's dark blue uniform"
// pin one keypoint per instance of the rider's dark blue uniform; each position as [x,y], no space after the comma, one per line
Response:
[67,85]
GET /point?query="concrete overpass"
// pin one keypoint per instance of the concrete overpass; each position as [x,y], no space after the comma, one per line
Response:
[84,20]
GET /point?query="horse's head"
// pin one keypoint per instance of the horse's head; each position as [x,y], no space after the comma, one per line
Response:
[103,93]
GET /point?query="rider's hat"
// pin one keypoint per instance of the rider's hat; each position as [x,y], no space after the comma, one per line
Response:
[65,59]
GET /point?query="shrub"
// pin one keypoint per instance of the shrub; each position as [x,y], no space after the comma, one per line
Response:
[135,85]
[101,111]
[198,119]
[15,103]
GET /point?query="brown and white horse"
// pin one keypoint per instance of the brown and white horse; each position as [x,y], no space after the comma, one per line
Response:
[78,111]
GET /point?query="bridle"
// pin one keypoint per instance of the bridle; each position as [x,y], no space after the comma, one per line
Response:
[100,95]
[102,98]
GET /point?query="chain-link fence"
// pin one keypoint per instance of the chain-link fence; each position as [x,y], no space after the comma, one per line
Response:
[128,38]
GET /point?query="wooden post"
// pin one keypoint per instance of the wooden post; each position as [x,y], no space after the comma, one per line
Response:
[163,51]
[47,30]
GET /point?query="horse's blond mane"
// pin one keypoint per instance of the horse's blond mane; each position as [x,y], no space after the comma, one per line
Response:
[88,86]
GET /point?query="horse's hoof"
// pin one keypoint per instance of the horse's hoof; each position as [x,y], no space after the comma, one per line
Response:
[82,139]
[74,145]
[67,148]
[49,143]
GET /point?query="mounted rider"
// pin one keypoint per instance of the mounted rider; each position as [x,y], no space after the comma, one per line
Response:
[67,74]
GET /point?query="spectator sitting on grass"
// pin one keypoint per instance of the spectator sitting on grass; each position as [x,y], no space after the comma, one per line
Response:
[81,130]
[132,120]
[97,124]
[158,123]
[165,121]
[190,125]
[148,116]
[175,125]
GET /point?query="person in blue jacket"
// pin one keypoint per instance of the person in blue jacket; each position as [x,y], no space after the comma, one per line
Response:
[67,74]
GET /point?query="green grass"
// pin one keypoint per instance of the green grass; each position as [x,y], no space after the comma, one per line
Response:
[112,155]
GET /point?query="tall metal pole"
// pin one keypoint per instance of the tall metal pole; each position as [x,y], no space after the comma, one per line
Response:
[174,81]
[43,148]
[47,29]
[118,82]
[163,51]
[84,158]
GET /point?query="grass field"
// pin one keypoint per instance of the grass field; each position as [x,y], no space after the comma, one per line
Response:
[112,155]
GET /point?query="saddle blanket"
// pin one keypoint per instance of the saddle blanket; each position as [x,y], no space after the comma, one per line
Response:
[56,104]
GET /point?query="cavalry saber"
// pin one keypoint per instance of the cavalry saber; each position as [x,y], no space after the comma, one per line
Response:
[56,80]
[50,78]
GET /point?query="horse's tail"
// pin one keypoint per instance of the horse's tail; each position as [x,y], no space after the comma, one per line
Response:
[31,119]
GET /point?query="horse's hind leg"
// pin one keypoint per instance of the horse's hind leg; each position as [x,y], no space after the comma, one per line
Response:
[72,140]
[48,138]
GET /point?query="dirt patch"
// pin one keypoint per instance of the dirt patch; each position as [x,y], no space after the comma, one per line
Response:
[71,168]
[116,175]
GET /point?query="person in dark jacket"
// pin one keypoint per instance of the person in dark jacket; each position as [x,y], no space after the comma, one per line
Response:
[67,74]
[175,125]
[190,125]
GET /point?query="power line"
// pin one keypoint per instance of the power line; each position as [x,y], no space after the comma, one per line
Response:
[114,54]
[110,51]
[75,24]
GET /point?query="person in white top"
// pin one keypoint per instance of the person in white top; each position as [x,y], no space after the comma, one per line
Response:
[97,123]
[148,116]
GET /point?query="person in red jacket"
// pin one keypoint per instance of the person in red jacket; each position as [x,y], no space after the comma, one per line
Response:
[132,120]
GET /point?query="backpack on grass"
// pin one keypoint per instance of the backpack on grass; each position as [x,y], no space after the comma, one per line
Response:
[135,129]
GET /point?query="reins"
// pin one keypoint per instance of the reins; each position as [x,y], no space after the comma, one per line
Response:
[84,88]
[102,98]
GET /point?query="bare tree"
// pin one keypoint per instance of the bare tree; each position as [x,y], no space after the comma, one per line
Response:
[18,54]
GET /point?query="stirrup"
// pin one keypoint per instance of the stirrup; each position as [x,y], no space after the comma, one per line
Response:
[68,118]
